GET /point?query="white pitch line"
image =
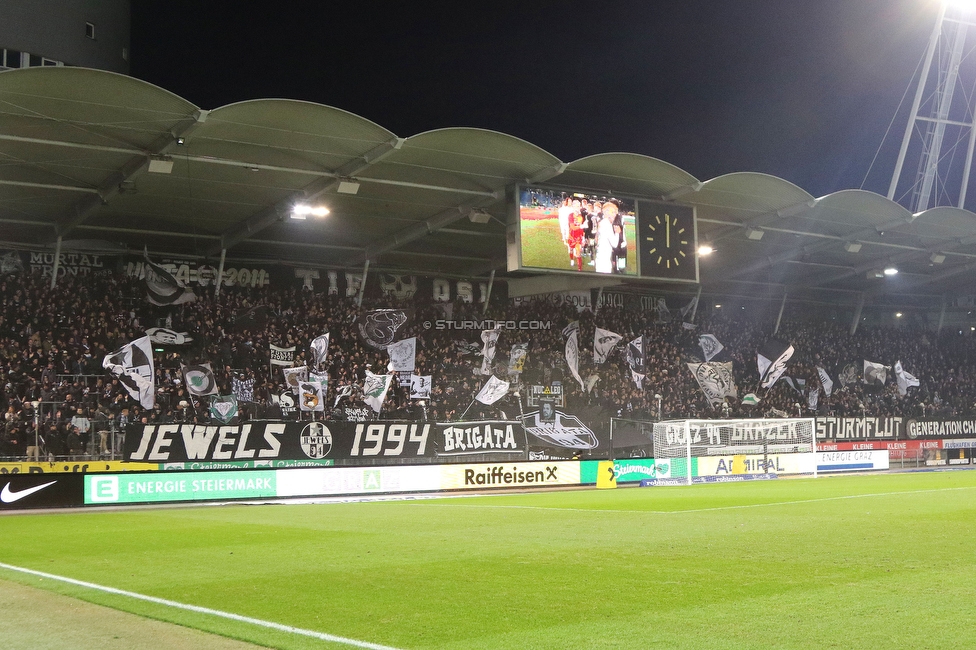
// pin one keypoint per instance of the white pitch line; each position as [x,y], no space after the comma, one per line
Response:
[203,610]
[680,512]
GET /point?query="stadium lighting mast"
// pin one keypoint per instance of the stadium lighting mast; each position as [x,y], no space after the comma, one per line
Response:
[939,111]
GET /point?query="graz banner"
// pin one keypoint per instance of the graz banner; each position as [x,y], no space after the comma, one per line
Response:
[273,440]
[860,428]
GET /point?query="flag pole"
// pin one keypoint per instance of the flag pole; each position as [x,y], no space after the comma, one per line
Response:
[467,409]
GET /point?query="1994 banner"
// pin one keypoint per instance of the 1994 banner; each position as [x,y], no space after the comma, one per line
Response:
[164,443]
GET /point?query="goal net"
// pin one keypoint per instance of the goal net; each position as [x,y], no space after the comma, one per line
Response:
[715,450]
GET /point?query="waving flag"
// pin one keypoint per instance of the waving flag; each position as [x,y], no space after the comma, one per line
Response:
[319,348]
[603,343]
[200,380]
[772,358]
[493,390]
[133,365]
[710,346]
[375,388]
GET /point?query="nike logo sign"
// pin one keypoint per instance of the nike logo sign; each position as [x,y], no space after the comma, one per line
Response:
[9,496]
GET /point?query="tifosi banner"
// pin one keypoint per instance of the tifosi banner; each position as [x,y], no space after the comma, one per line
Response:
[941,428]
[265,441]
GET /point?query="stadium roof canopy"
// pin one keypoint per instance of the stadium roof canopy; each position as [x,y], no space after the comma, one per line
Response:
[107,161]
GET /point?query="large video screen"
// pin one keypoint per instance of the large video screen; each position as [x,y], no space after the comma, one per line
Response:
[577,232]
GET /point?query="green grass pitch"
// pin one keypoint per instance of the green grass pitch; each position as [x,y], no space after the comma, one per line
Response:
[542,246]
[879,561]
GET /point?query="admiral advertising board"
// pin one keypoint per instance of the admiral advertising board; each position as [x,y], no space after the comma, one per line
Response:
[265,443]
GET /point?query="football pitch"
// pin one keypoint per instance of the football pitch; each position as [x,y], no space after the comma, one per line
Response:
[878,561]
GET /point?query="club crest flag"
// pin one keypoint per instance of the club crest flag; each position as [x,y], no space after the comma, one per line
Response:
[420,386]
[162,287]
[875,373]
[489,340]
[904,379]
[282,356]
[379,326]
[164,336]
[710,346]
[319,348]
[603,343]
[375,388]
[772,358]
[715,380]
[199,379]
[516,359]
[403,355]
[320,378]
[635,355]
[133,365]
[493,390]
[310,396]
[848,375]
[223,408]
[572,356]
[294,377]
[825,381]
[813,399]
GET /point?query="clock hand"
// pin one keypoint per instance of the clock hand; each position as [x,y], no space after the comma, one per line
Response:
[668,233]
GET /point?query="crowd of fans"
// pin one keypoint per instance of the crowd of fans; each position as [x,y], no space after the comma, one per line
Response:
[53,340]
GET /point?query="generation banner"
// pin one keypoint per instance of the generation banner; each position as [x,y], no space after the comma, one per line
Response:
[941,428]
[271,441]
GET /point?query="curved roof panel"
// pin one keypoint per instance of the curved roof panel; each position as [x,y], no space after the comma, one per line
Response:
[626,173]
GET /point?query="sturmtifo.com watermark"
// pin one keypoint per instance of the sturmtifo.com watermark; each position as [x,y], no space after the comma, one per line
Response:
[542,325]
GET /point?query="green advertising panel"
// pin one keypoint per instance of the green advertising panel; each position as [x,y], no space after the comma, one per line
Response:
[178,486]
[634,470]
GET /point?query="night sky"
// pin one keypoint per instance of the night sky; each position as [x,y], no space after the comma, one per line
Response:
[802,89]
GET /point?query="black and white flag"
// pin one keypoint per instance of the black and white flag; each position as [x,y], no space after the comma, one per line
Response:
[663,313]
[162,287]
[493,390]
[572,327]
[635,354]
[710,346]
[772,358]
[849,375]
[813,399]
[638,378]
[489,339]
[715,380]
[875,373]
[467,348]
[572,356]
[420,386]
[163,336]
[133,365]
[200,380]
[825,381]
[379,326]
[294,377]
[904,379]
[282,356]
[690,307]
[310,396]
[403,355]
[319,348]
[342,391]
[603,343]
[243,389]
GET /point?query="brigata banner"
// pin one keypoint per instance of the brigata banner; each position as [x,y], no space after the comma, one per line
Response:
[860,428]
[268,443]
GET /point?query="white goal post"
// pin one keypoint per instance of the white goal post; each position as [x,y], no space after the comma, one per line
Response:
[711,449]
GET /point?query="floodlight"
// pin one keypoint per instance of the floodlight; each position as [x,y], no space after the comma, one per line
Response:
[755,234]
[705,249]
[898,314]
[937,258]
[303,210]
[891,271]
[852,247]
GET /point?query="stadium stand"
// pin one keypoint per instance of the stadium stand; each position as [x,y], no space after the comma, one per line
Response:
[53,341]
